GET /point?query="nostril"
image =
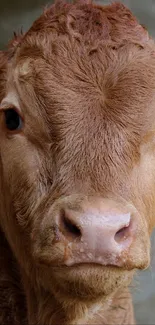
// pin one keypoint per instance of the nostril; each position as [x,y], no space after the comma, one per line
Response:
[122,234]
[69,228]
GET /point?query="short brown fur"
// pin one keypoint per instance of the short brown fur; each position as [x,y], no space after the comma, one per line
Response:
[83,80]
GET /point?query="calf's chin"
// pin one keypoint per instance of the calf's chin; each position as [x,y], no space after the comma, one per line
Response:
[86,283]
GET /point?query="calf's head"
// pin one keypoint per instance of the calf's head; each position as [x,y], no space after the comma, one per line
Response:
[77,149]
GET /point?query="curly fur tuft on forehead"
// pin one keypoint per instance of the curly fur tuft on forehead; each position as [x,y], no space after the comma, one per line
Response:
[88,22]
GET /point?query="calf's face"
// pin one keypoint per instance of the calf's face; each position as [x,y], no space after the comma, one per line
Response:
[77,157]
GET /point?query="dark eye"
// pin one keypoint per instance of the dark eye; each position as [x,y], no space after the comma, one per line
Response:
[13,120]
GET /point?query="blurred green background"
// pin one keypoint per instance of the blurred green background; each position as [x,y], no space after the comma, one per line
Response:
[15,14]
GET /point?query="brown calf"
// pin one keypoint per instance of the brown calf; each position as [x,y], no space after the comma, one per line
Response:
[77,166]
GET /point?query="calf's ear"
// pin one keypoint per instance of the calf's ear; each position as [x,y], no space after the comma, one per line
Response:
[14,43]
[5,57]
[3,67]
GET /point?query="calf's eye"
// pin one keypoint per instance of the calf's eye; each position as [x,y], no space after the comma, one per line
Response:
[13,120]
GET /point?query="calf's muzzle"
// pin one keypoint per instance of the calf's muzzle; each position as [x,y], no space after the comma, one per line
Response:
[95,234]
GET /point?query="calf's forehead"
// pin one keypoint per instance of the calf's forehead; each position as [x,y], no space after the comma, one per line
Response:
[89,52]
[118,87]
